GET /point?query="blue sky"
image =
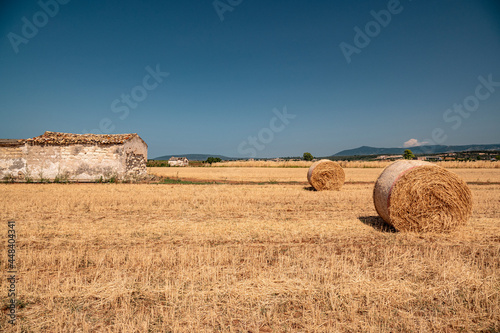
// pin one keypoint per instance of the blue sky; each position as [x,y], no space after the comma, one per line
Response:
[253,78]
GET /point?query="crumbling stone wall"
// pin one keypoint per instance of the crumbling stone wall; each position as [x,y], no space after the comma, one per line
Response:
[136,157]
[12,161]
[76,162]
[135,164]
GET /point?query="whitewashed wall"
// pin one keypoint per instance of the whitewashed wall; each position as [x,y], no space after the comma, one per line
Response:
[78,162]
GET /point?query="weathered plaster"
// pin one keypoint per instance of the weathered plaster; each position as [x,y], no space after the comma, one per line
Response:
[75,162]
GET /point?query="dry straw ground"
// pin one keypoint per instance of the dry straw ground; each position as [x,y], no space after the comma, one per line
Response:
[355,164]
[243,258]
[299,175]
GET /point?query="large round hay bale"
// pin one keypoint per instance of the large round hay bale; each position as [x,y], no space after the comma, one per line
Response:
[420,196]
[326,175]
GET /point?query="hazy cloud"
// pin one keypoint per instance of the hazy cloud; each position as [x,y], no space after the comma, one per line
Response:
[414,143]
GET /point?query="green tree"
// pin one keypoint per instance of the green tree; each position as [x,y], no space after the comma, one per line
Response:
[308,157]
[408,155]
[211,160]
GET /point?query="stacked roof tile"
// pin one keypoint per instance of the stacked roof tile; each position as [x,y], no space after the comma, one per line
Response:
[11,142]
[58,138]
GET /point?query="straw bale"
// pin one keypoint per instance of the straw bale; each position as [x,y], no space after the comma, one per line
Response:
[421,196]
[326,175]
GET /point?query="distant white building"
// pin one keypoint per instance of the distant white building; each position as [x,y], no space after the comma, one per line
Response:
[430,158]
[389,157]
[178,161]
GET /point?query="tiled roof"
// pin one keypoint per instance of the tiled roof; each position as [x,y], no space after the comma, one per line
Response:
[11,142]
[57,138]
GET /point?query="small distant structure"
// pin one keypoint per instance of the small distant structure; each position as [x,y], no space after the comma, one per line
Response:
[74,157]
[389,157]
[178,161]
[430,158]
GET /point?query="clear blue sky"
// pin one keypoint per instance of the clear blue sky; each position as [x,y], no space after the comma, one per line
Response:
[83,68]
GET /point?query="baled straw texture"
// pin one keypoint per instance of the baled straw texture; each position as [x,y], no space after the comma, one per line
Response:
[420,196]
[326,175]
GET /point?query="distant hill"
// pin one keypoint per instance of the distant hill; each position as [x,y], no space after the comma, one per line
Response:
[419,150]
[194,157]
[361,151]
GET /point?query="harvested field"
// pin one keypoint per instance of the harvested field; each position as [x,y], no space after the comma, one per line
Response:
[243,258]
[299,175]
[355,164]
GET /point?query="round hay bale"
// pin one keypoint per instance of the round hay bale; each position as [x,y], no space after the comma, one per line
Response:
[326,175]
[420,196]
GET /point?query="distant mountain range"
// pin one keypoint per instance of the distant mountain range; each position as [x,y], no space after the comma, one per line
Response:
[419,150]
[364,150]
[194,157]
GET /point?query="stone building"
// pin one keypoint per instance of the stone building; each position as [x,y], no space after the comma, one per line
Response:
[74,157]
[178,161]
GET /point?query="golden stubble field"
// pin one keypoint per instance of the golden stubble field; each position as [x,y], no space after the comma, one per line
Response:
[244,258]
[299,175]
